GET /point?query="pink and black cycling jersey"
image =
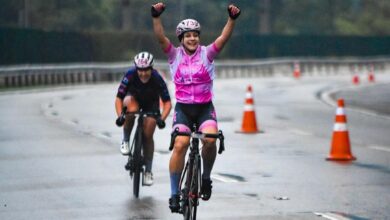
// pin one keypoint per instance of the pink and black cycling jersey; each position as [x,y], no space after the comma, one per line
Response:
[192,74]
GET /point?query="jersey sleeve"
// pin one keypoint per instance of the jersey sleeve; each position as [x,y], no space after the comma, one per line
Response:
[163,89]
[171,52]
[122,90]
[212,52]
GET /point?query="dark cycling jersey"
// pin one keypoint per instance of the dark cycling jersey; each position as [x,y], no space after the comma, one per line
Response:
[146,94]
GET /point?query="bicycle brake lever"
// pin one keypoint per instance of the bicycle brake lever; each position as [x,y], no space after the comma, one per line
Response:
[173,137]
[221,143]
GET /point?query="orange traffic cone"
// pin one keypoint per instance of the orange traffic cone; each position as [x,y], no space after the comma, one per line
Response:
[371,76]
[297,70]
[355,79]
[341,149]
[249,124]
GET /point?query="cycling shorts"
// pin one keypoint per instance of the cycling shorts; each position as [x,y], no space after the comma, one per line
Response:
[186,115]
[146,104]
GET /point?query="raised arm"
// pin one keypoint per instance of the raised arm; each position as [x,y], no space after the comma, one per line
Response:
[157,10]
[227,31]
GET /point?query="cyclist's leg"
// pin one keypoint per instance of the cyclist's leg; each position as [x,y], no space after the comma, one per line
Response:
[149,128]
[208,124]
[176,163]
[176,166]
[209,149]
[209,153]
[132,106]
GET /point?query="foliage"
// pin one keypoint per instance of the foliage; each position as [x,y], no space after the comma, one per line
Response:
[313,17]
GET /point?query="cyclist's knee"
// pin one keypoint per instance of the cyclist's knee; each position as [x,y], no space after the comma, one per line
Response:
[209,127]
[149,129]
[210,141]
[181,145]
[131,104]
[129,120]
[210,145]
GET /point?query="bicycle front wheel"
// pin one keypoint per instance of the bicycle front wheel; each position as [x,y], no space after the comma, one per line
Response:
[190,209]
[137,164]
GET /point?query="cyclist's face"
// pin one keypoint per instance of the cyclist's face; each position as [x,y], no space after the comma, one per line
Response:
[190,41]
[144,74]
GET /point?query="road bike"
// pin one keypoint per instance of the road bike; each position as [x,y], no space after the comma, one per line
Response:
[135,163]
[191,178]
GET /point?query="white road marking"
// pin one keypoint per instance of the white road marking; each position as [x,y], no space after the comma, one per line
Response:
[300,132]
[381,148]
[224,178]
[331,216]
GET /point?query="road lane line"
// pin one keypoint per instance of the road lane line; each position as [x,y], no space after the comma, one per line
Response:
[224,179]
[325,96]
[331,216]
[381,148]
[300,132]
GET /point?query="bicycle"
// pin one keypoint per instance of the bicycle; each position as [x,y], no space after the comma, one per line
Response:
[191,179]
[135,163]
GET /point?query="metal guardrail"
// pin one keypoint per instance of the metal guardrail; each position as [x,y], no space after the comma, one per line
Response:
[87,73]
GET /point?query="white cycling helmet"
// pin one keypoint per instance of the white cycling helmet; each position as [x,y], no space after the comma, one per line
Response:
[143,60]
[186,26]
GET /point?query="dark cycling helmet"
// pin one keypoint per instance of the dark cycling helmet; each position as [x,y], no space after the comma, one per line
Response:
[186,26]
[143,60]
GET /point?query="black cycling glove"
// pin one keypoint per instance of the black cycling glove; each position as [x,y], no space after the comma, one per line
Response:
[160,123]
[120,120]
[232,14]
[156,12]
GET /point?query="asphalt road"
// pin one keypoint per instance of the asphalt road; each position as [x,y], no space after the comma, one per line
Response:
[59,155]
[370,99]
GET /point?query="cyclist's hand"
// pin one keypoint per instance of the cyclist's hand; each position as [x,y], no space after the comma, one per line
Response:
[157,9]
[120,121]
[233,11]
[160,123]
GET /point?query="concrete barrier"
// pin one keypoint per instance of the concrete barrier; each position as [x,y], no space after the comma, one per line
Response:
[63,74]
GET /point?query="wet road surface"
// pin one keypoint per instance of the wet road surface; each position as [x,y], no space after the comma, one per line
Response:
[59,157]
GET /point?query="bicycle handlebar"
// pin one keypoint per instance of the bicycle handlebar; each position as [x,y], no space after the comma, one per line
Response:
[121,119]
[198,135]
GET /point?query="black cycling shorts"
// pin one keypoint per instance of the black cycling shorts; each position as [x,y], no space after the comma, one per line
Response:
[146,104]
[186,115]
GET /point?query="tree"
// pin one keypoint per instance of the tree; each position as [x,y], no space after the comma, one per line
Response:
[293,17]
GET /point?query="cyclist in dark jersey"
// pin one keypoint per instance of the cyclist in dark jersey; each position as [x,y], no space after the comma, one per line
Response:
[141,88]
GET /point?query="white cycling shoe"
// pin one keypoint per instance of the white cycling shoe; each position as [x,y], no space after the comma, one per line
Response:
[148,179]
[125,150]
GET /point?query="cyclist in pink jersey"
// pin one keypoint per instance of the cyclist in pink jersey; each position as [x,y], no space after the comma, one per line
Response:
[192,71]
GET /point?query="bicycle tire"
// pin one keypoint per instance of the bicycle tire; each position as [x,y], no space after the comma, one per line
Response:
[137,164]
[191,207]
[185,185]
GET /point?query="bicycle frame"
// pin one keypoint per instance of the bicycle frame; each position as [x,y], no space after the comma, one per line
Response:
[135,162]
[190,180]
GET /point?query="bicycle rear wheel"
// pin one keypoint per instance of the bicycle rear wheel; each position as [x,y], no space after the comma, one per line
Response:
[193,187]
[137,164]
